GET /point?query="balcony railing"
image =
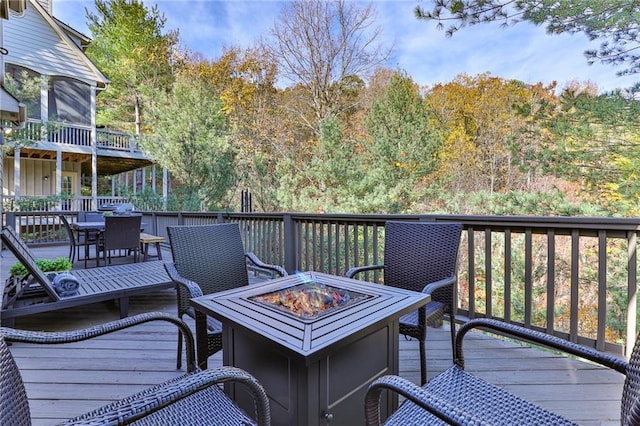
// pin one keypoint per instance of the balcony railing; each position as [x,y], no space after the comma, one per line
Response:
[572,277]
[76,135]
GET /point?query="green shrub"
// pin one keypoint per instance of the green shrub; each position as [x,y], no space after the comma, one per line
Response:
[46,265]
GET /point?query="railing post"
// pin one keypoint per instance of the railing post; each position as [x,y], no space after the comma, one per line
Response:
[632,284]
[289,243]
[11,220]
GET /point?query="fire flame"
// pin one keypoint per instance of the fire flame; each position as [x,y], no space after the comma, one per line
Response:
[306,300]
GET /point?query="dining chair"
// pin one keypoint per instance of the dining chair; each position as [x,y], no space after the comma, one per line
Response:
[74,240]
[120,233]
[423,257]
[77,239]
[208,259]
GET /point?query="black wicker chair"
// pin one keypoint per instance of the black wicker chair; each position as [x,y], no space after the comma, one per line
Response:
[421,256]
[193,398]
[460,398]
[120,233]
[208,259]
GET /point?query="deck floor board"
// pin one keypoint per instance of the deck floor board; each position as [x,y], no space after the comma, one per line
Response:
[63,381]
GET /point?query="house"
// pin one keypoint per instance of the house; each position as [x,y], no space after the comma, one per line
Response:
[61,150]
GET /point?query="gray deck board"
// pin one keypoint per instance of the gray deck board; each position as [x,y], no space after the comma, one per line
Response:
[67,380]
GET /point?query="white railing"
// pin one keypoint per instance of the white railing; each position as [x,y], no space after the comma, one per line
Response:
[75,134]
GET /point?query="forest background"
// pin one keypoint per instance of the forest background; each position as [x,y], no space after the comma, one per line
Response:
[308,119]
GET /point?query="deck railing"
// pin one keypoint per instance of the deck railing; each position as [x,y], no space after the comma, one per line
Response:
[572,277]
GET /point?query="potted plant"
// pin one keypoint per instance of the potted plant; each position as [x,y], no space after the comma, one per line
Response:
[59,264]
[16,284]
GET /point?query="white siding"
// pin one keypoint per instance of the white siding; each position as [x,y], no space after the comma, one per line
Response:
[32,176]
[32,43]
[47,5]
[76,40]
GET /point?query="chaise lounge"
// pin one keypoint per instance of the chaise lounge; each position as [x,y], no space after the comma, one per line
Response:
[117,282]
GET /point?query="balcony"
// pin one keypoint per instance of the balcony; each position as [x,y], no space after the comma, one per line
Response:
[115,152]
[77,135]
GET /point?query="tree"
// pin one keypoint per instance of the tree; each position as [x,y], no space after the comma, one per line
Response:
[594,140]
[192,142]
[129,48]
[335,172]
[321,46]
[402,145]
[247,85]
[613,22]
[481,119]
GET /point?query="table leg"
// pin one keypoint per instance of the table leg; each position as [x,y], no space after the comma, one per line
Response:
[201,339]
[86,247]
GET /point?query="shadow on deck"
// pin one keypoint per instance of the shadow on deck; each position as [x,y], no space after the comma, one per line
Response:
[67,380]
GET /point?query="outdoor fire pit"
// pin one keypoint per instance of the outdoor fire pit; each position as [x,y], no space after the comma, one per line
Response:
[315,342]
[310,300]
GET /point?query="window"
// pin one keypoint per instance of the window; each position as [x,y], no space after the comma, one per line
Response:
[69,101]
[24,84]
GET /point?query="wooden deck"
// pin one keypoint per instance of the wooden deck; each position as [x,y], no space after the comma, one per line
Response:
[67,380]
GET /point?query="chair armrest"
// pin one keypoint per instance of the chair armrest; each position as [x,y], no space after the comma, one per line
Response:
[430,288]
[538,338]
[161,396]
[252,258]
[191,286]
[358,269]
[57,337]
[433,404]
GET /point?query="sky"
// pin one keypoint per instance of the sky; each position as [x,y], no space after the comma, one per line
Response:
[523,51]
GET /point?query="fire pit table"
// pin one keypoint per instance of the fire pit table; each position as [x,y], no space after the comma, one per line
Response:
[315,342]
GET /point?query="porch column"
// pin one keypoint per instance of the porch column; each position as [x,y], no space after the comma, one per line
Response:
[94,152]
[44,106]
[165,187]
[59,176]
[135,181]
[153,178]
[16,173]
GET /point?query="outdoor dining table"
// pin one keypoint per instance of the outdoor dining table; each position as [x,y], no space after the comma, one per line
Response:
[314,366]
[87,228]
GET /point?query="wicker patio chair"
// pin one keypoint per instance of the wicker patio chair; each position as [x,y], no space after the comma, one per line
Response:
[208,259]
[120,233]
[193,398]
[460,398]
[421,256]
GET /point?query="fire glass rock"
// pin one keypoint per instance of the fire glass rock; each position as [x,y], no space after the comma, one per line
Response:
[307,300]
